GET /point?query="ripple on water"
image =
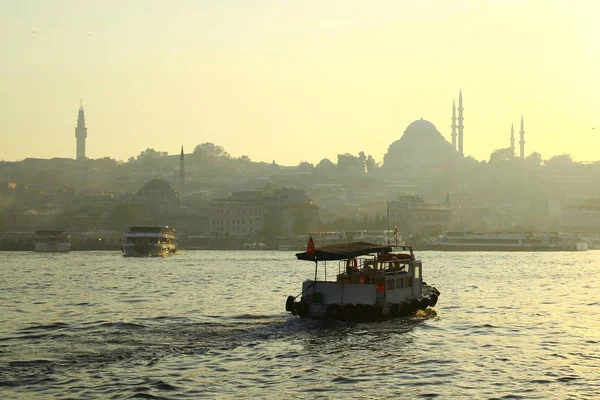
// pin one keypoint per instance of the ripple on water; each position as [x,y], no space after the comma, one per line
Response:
[212,324]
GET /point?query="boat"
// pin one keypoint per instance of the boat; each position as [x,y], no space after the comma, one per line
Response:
[254,246]
[52,240]
[372,282]
[474,241]
[374,236]
[149,241]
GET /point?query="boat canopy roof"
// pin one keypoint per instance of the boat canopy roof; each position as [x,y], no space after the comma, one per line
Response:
[344,251]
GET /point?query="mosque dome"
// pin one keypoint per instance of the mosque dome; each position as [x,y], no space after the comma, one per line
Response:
[420,145]
[157,188]
[420,128]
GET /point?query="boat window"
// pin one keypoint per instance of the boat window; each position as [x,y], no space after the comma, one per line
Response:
[400,283]
[390,284]
[417,272]
[408,282]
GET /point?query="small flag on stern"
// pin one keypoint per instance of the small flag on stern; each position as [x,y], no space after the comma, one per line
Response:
[310,248]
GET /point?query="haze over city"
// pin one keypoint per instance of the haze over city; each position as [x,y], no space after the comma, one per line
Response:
[296,81]
[299,198]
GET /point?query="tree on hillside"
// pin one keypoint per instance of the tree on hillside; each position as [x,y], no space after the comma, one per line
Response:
[533,160]
[560,161]
[362,158]
[370,164]
[151,153]
[501,155]
[356,165]
[149,158]
[210,151]
[101,163]
[350,164]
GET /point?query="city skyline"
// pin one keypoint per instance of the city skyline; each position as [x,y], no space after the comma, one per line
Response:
[294,82]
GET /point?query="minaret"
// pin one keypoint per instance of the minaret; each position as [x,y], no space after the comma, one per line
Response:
[522,142]
[454,124]
[181,172]
[460,124]
[512,140]
[81,133]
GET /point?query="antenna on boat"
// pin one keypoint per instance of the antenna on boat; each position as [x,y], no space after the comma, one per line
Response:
[387,233]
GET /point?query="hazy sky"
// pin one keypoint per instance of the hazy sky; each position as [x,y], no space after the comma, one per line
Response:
[296,80]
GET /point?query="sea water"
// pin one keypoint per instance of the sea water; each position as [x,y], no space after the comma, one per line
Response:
[212,324]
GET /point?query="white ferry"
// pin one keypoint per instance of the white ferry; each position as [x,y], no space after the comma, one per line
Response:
[473,241]
[152,241]
[372,282]
[52,240]
[380,237]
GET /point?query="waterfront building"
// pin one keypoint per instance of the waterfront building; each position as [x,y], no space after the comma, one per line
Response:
[412,215]
[238,215]
[283,213]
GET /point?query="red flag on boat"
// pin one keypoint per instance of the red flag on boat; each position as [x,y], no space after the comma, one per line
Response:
[310,247]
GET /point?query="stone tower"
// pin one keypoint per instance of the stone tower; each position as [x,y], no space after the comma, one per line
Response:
[454,124]
[460,124]
[80,134]
[181,172]
[522,141]
[512,140]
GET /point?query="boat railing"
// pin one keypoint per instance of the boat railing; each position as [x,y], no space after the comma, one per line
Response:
[374,266]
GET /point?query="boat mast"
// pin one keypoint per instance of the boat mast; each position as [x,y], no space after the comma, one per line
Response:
[387,233]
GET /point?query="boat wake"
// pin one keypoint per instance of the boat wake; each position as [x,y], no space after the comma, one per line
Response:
[88,347]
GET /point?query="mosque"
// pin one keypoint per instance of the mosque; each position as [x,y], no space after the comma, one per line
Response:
[422,145]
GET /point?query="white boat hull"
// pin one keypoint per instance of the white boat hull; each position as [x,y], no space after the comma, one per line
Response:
[363,311]
[372,283]
[142,250]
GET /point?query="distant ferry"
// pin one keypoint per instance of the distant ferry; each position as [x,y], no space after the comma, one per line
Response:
[471,241]
[149,241]
[52,241]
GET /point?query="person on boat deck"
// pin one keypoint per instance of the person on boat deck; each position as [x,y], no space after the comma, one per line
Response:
[396,266]
[351,265]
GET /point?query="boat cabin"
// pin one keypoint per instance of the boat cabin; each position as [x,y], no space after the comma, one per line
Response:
[367,274]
